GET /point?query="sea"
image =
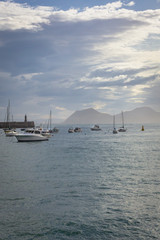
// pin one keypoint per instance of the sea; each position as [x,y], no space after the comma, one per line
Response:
[82,186]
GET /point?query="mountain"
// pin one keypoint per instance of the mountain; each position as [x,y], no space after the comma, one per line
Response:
[88,116]
[141,115]
[91,116]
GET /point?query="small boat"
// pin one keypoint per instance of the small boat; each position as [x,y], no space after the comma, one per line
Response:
[70,130]
[11,133]
[115,131]
[7,130]
[114,128]
[96,128]
[77,129]
[45,132]
[54,130]
[142,128]
[122,129]
[31,135]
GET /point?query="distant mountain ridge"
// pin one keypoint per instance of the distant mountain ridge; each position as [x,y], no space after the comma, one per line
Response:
[91,116]
[88,116]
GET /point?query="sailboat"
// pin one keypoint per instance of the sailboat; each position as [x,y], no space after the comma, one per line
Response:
[54,130]
[122,129]
[7,127]
[11,133]
[114,128]
[8,131]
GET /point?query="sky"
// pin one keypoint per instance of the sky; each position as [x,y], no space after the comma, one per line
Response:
[71,55]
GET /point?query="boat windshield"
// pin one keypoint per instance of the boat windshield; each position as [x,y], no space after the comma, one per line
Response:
[37,132]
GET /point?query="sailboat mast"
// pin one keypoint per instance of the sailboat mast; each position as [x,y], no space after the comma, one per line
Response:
[113,121]
[122,120]
[8,111]
[8,114]
[50,119]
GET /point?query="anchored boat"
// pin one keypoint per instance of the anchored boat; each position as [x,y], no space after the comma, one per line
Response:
[11,133]
[31,135]
[96,128]
[122,129]
[114,128]
[70,130]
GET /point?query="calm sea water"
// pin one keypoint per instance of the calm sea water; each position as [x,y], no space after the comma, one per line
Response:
[89,185]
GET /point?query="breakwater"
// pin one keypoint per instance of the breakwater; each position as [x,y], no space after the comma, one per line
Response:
[25,124]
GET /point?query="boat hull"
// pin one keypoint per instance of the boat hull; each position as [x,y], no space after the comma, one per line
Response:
[30,138]
[77,129]
[96,129]
[122,130]
[115,132]
[70,130]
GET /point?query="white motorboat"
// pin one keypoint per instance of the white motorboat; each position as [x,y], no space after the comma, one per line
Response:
[96,128]
[31,135]
[70,130]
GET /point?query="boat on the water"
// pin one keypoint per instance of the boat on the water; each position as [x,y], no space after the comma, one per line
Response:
[96,128]
[31,135]
[54,130]
[70,130]
[11,133]
[45,132]
[77,129]
[122,129]
[114,128]
[115,131]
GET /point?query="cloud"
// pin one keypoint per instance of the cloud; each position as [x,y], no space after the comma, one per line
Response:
[16,16]
[102,56]
[130,4]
